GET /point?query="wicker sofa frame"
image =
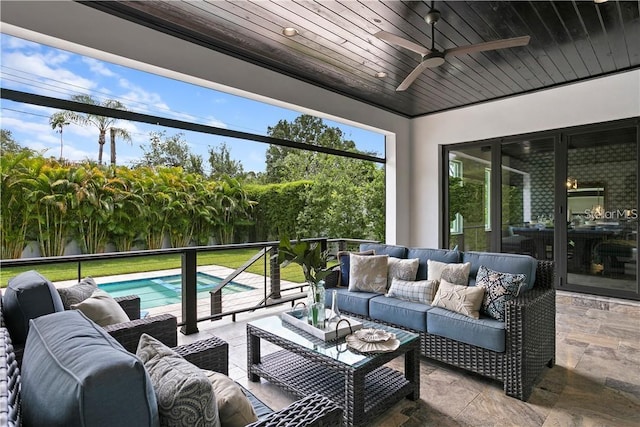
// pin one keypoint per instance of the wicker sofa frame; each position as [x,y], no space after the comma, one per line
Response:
[530,340]
[211,354]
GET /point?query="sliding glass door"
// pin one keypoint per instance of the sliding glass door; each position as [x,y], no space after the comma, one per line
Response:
[602,206]
[469,197]
[527,174]
[569,196]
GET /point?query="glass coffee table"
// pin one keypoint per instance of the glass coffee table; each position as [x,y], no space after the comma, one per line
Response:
[359,382]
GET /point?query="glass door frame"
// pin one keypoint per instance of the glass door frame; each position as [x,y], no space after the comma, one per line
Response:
[561,138]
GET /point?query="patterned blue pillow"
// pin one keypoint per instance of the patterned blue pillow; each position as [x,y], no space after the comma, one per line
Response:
[499,288]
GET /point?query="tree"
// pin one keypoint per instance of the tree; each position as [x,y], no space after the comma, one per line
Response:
[305,129]
[347,197]
[59,121]
[8,144]
[221,163]
[102,123]
[170,151]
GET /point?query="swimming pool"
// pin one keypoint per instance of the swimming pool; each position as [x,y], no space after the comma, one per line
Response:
[165,290]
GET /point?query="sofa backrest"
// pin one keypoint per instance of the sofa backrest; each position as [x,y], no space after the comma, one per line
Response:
[383,249]
[504,263]
[423,254]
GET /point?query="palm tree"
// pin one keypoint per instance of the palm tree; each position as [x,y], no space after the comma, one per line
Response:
[101,122]
[59,121]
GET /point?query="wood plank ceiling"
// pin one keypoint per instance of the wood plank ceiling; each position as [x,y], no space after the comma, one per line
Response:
[335,48]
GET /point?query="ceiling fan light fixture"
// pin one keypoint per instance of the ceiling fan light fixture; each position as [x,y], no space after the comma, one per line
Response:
[289,31]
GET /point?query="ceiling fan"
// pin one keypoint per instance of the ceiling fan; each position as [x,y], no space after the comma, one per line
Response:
[433,57]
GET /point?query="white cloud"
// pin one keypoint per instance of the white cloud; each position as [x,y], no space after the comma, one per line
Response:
[98,67]
[39,74]
[212,121]
[9,42]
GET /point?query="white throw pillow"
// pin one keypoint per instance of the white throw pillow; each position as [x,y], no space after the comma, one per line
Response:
[461,299]
[368,273]
[234,408]
[421,291]
[455,273]
[102,309]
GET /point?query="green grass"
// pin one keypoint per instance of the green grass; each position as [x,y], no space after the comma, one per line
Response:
[231,258]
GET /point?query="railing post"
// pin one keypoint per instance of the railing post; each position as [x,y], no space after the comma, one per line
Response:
[274,274]
[323,249]
[189,292]
[216,303]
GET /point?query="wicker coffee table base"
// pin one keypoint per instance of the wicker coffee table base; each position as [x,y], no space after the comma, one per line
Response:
[364,392]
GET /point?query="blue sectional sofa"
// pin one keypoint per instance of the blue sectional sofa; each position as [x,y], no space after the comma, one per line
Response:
[514,351]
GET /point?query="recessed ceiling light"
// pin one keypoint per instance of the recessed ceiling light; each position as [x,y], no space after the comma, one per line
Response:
[289,31]
[600,1]
[381,74]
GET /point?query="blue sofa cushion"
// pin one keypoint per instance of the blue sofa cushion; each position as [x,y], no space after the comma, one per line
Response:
[28,295]
[443,255]
[383,249]
[505,263]
[352,302]
[75,374]
[484,332]
[406,314]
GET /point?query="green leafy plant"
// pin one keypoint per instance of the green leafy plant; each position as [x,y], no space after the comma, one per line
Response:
[307,255]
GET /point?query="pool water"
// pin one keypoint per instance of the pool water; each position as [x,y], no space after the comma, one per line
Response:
[159,291]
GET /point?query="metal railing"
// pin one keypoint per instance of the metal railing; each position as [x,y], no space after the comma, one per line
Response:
[272,292]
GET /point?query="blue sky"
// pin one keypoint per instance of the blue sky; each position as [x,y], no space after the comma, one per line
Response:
[36,68]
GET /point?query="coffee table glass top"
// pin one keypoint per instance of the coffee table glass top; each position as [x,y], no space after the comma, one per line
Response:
[338,349]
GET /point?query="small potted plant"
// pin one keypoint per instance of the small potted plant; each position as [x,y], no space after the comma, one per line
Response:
[313,261]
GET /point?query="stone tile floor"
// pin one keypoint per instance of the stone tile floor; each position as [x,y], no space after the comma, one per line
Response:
[595,382]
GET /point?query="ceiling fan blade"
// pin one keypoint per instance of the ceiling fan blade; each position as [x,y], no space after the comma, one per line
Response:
[493,45]
[412,76]
[397,40]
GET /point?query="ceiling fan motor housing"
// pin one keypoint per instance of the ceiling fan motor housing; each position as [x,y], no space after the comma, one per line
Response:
[434,59]
[432,17]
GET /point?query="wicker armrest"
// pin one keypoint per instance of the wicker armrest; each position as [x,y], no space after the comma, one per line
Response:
[314,410]
[530,334]
[163,327]
[333,279]
[131,305]
[211,354]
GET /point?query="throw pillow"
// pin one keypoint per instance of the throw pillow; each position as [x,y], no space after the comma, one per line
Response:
[461,299]
[102,309]
[404,269]
[455,273]
[28,295]
[345,265]
[185,394]
[77,293]
[234,407]
[499,288]
[368,273]
[419,291]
